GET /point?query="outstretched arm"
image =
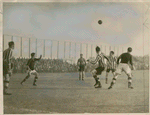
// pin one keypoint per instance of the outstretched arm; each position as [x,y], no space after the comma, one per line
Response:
[37,59]
[107,58]
[95,61]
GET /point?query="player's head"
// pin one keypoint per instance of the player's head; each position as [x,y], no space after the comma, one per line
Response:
[11,45]
[32,55]
[129,50]
[97,49]
[112,53]
[81,55]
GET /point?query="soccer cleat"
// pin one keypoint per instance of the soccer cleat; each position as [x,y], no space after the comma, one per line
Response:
[130,87]
[5,93]
[96,84]
[110,87]
[34,84]
[21,83]
[99,86]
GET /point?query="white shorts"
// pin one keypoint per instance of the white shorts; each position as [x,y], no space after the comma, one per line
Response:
[32,72]
[123,67]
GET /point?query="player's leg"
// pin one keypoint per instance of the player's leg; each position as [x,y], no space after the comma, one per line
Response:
[113,72]
[117,73]
[80,73]
[6,84]
[28,75]
[6,79]
[113,80]
[127,70]
[98,71]
[83,75]
[35,78]
[95,77]
[107,72]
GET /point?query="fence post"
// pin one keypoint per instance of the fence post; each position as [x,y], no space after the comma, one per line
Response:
[29,47]
[122,50]
[3,42]
[51,49]
[75,51]
[80,48]
[86,50]
[11,38]
[109,48]
[118,50]
[114,49]
[105,49]
[44,49]
[69,49]
[64,49]
[36,47]
[57,49]
[91,49]
[21,47]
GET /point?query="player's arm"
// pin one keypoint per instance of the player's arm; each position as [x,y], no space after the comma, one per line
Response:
[115,60]
[118,59]
[107,58]
[37,59]
[28,63]
[95,61]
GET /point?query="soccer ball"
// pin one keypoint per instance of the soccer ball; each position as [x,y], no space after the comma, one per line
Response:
[100,22]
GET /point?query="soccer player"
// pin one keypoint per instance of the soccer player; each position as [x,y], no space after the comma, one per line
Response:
[7,66]
[81,64]
[111,67]
[100,59]
[30,68]
[126,58]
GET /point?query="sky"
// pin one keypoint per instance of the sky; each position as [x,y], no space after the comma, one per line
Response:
[76,22]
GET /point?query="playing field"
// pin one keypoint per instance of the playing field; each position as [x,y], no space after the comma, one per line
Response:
[64,93]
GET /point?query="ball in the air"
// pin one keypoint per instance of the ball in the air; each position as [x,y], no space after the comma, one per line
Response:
[99,21]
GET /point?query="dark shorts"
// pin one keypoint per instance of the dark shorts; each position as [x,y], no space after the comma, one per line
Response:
[99,70]
[108,70]
[6,68]
[81,68]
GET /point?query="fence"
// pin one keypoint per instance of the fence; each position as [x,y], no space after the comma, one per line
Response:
[56,49]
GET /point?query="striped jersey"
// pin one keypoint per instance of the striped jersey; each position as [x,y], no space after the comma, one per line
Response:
[7,56]
[113,61]
[100,60]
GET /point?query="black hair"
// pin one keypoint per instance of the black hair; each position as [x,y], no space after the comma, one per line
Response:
[97,49]
[129,49]
[11,43]
[112,52]
[32,54]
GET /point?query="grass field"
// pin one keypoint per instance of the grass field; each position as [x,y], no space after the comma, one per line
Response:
[64,93]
